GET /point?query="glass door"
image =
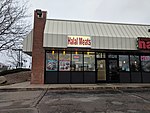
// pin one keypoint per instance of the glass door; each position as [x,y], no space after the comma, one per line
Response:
[113,71]
[101,70]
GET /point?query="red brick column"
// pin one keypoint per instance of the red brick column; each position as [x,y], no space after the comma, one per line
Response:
[38,52]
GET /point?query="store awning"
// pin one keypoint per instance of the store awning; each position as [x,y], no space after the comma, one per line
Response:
[116,36]
[27,43]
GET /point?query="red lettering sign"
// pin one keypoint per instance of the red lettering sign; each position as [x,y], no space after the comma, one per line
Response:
[144,43]
[79,41]
[84,41]
[72,41]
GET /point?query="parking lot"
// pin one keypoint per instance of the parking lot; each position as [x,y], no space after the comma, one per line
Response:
[75,101]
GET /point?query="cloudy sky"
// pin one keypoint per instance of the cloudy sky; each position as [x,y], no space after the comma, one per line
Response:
[126,11]
[120,11]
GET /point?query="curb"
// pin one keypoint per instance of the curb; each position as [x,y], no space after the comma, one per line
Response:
[76,88]
[21,89]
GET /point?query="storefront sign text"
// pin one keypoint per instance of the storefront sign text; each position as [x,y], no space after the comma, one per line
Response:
[79,41]
[145,58]
[143,43]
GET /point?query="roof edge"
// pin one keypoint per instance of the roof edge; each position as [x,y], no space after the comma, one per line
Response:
[98,22]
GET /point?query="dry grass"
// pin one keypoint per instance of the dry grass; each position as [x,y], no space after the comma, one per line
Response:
[18,77]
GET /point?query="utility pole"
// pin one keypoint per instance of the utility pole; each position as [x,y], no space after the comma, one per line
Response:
[20,57]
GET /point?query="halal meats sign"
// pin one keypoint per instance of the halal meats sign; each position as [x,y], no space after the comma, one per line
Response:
[79,41]
[143,43]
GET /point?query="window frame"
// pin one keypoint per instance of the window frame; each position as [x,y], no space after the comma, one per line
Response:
[57,60]
[61,53]
[71,53]
[139,64]
[82,66]
[120,70]
[84,53]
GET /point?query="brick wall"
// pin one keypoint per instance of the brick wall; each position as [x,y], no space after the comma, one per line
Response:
[38,52]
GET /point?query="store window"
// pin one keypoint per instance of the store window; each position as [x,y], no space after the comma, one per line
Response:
[112,56]
[89,61]
[77,61]
[134,63]
[100,55]
[51,61]
[145,63]
[124,63]
[64,61]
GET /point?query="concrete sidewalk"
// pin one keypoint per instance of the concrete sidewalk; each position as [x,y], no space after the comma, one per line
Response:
[28,86]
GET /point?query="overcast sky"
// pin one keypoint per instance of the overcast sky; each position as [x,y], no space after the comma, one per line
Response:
[126,11]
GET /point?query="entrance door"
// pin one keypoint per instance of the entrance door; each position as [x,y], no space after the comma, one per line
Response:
[101,70]
[113,73]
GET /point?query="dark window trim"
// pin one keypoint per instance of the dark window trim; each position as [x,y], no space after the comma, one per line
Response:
[70,61]
[139,63]
[129,64]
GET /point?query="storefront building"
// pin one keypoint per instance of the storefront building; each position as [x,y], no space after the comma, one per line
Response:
[67,51]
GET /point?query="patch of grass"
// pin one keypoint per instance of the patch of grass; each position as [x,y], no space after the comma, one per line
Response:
[13,71]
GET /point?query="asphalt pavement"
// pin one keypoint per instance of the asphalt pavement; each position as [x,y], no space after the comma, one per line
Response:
[75,98]
[75,101]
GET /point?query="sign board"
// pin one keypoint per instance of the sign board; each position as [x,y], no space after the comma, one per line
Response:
[79,41]
[145,58]
[76,56]
[143,43]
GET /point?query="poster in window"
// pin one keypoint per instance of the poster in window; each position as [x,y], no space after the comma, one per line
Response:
[51,65]
[64,65]
[76,58]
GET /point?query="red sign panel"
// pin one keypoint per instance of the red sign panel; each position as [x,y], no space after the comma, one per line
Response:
[144,43]
[76,56]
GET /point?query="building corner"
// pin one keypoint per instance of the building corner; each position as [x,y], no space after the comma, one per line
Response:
[38,52]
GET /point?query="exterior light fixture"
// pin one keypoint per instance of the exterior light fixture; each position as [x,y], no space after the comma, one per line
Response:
[39,13]
[76,52]
[88,53]
[53,52]
[64,52]
[124,62]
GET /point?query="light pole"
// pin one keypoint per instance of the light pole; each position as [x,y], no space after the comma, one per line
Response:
[19,62]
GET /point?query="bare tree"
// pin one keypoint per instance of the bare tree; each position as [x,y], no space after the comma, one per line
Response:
[13,23]
[17,58]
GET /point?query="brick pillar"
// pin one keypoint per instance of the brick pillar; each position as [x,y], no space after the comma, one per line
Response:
[38,52]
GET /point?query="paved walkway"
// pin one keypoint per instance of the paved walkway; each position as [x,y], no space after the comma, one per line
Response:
[28,86]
